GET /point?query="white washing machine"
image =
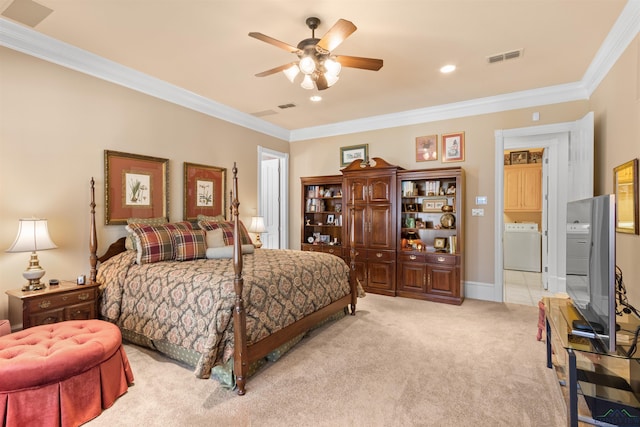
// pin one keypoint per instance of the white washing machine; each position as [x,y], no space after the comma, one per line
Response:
[522,247]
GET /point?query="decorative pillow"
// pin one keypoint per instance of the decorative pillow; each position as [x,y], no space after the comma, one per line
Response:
[130,241]
[227,231]
[155,243]
[227,251]
[214,238]
[189,244]
[217,218]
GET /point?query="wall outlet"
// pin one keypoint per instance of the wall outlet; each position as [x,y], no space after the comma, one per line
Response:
[477,212]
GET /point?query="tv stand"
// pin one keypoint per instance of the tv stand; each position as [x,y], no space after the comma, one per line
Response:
[602,388]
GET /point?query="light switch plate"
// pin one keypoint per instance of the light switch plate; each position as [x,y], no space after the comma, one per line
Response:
[481,200]
[477,212]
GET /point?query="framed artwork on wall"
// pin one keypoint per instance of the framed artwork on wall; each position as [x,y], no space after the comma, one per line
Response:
[135,186]
[625,187]
[426,148]
[204,191]
[453,147]
[519,157]
[354,152]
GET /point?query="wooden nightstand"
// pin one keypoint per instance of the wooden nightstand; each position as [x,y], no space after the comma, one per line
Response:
[67,301]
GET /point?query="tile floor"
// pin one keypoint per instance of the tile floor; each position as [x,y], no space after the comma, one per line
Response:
[523,287]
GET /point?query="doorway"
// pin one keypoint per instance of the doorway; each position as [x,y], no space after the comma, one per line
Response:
[273,197]
[569,167]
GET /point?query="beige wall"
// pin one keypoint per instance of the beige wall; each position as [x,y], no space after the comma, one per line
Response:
[56,123]
[616,104]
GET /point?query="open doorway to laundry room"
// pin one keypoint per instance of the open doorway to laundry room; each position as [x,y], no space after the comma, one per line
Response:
[567,175]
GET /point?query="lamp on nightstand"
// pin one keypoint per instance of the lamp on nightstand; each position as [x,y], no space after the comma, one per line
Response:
[33,236]
[257,227]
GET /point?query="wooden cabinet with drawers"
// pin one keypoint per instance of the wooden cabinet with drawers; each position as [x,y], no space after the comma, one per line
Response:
[66,301]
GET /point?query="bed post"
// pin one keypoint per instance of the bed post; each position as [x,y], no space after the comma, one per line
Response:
[353,277]
[240,365]
[93,240]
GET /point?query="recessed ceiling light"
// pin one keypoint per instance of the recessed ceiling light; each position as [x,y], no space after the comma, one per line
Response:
[316,98]
[447,69]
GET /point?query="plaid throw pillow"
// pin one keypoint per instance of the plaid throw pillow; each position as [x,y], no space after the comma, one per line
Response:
[227,231]
[155,243]
[189,244]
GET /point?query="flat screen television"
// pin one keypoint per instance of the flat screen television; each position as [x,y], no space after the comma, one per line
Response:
[591,262]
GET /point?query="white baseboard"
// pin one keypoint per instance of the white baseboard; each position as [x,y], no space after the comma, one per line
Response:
[481,291]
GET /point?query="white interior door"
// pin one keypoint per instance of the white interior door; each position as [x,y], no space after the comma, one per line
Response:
[273,197]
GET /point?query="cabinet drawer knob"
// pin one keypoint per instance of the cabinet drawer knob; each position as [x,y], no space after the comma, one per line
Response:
[379,255]
[84,296]
[331,251]
[441,259]
[44,304]
[412,257]
[64,298]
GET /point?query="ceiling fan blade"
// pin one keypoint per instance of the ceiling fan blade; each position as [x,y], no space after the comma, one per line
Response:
[275,70]
[336,34]
[276,43]
[357,62]
[321,82]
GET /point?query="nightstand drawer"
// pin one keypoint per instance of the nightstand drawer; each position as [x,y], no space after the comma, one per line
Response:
[51,302]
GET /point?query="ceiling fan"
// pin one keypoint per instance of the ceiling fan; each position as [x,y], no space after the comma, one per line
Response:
[320,68]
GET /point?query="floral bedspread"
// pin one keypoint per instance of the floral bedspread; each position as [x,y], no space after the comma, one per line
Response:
[189,304]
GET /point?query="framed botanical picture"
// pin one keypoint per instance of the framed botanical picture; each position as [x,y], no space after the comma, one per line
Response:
[453,147]
[135,186]
[426,148]
[354,152]
[204,191]
[519,157]
[625,187]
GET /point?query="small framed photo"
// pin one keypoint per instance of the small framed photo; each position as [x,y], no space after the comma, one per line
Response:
[338,207]
[325,238]
[440,243]
[426,148]
[410,207]
[354,152]
[331,219]
[434,205]
[453,147]
[135,186]
[519,157]
[535,156]
[316,237]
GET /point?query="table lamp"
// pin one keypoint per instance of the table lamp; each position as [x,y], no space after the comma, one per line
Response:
[257,227]
[33,236]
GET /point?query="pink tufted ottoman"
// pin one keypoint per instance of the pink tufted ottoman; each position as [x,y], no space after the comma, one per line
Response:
[61,374]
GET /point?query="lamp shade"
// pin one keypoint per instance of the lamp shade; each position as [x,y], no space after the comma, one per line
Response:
[33,235]
[257,225]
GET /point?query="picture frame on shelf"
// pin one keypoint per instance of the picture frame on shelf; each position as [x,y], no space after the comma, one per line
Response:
[625,187]
[135,186]
[204,191]
[325,238]
[434,205]
[331,219]
[535,156]
[426,148]
[440,243]
[353,152]
[453,147]
[519,157]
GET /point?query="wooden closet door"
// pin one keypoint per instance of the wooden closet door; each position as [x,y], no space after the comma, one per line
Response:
[380,227]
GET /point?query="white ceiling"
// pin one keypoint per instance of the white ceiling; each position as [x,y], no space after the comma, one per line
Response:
[202,46]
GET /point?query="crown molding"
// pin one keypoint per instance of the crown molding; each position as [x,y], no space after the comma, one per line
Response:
[33,43]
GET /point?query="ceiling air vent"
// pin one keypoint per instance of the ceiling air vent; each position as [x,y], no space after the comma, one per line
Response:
[264,113]
[285,106]
[505,56]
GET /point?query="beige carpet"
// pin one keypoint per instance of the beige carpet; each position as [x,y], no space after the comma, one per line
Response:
[398,362]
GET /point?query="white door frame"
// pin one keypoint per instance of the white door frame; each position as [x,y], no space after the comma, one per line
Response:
[284,190]
[564,141]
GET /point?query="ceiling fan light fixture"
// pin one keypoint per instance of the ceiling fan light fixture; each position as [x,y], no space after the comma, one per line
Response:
[291,72]
[332,66]
[307,65]
[307,83]
[331,79]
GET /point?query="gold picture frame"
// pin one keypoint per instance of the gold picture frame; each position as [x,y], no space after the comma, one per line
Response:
[426,148]
[204,192]
[453,147]
[625,187]
[135,186]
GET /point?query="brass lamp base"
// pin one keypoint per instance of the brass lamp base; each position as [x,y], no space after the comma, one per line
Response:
[33,285]
[33,274]
[258,243]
